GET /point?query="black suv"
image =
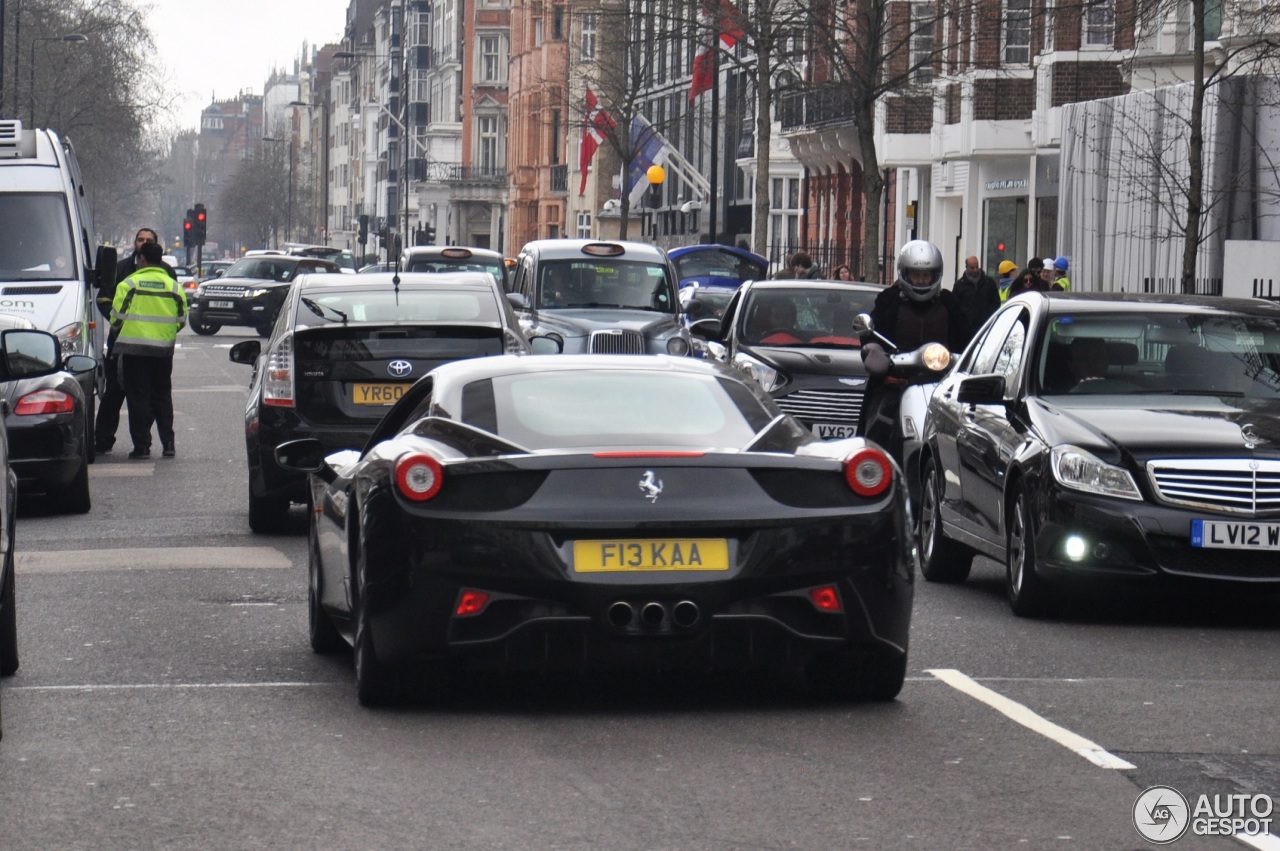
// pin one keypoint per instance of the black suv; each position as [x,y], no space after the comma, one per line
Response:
[250,292]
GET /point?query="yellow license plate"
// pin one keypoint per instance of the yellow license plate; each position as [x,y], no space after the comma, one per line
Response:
[672,554]
[377,394]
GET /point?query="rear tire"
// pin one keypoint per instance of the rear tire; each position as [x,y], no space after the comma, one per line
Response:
[267,514]
[8,621]
[376,685]
[1028,594]
[325,638]
[264,330]
[75,498]
[870,676]
[941,559]
[90,431]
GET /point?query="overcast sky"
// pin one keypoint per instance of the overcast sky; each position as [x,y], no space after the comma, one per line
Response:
[220,47]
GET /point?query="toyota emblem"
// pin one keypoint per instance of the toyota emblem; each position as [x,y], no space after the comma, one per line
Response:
[399,368]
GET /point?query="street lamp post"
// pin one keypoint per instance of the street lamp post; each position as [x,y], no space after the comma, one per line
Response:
[288,215]
[31,79]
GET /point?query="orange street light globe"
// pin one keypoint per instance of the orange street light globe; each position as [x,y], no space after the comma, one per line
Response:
[656,174]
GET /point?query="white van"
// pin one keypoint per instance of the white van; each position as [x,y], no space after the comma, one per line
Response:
[49,272]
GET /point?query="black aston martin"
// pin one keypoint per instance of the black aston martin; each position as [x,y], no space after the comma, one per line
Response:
[1108,437]
[606,511]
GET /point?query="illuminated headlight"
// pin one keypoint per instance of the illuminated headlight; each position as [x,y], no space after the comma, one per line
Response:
[256,292]
[936,357]
[765,375]
[678,346]
[1079,470]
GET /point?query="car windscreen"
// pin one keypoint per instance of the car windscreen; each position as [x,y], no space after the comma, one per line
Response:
[436,265]
[604,283]
[615,408]
[319,307]
[713,263]
[711,302]
[36,239]
[803,316]
[1208,353]
[265,268]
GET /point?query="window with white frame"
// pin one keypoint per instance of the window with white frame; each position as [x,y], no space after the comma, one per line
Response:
[419,29]
[922,23]
[1017,32]
[488,149]
[1100,23]
[588,35]
[583,226]
[493,66]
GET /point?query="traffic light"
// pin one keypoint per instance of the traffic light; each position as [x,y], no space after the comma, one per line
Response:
[188,229]
[200,225]
[364,228]
[427,235]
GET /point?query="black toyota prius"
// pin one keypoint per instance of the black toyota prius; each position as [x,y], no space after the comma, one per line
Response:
[345,349]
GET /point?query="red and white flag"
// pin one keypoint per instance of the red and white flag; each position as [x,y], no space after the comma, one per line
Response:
[724,19]
[595,124]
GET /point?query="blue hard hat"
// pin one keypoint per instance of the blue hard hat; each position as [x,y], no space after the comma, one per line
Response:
[1061,264]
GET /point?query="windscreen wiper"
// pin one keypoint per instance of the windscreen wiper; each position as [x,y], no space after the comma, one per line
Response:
[319,310]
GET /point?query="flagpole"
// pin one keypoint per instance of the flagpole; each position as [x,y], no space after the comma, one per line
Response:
[715,141]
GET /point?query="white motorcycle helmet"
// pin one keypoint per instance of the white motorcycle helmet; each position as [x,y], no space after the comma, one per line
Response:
[920,255]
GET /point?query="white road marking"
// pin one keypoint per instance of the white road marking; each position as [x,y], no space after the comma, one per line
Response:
[156,558]
[168,686]
[122,471]
[1036,723]
[216,388]
[1265,842]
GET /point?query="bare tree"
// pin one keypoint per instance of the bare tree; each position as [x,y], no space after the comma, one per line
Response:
[254,202]
[101,94]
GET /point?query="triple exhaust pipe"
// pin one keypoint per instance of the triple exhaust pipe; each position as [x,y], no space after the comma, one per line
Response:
[653,615]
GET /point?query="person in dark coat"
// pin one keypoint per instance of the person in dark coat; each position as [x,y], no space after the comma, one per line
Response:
[977,292]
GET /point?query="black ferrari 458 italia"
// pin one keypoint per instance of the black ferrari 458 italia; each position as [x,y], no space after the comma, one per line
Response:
[564,511]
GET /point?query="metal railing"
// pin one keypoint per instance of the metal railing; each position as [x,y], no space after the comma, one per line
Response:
[828,103]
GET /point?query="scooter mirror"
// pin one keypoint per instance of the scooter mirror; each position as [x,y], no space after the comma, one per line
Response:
[862,323]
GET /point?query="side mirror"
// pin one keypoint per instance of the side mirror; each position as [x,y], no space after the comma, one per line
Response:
[104,267]
[27,354]
[707,329]
[547,344]
[518,301]
[305,456]
[218,273]
[246,351]
[981,390]
[79,364]
[862,323]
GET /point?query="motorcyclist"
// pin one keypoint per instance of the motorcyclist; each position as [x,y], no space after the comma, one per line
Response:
[913,311]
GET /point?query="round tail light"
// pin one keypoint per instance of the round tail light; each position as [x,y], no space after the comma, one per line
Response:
[868,472]
[418,476]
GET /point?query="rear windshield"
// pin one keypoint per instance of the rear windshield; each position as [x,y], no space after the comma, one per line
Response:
[266,268]
[36,240]
[605,282]
[329,308]
[435,265]
[718,264]
[615,409]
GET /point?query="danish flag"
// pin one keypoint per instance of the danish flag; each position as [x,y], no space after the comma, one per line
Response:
[723,18]
[596,123]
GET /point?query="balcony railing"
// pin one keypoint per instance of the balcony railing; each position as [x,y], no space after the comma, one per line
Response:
[457,173]
[827,103]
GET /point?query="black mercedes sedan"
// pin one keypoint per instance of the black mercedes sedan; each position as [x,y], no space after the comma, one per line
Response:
[606,511]
[796,339]
[1111,437]
[345,349]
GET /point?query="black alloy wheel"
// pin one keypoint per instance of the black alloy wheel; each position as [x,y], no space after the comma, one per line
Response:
[1028,595]
[941,559]
[325,638]
[8,621]
[871,676]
